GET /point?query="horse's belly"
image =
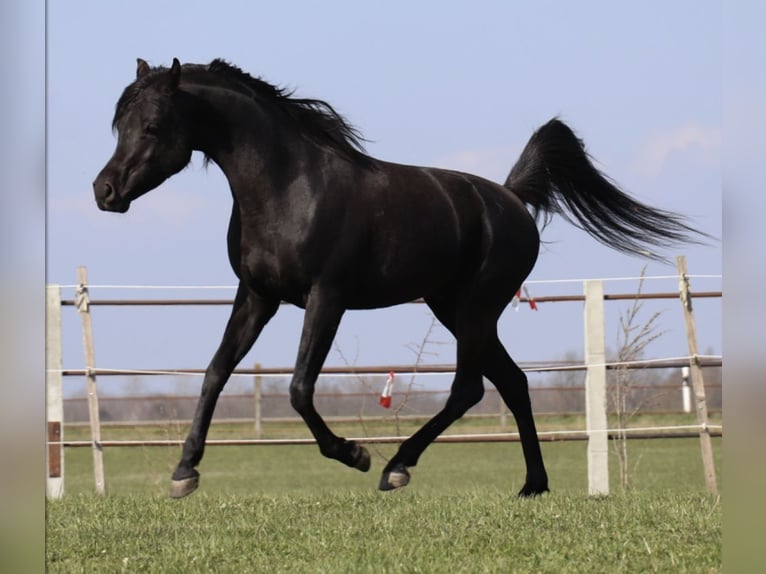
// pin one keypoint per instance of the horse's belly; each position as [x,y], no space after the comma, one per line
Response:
[402,275]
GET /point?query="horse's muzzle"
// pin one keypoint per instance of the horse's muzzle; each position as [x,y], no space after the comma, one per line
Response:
[107,197]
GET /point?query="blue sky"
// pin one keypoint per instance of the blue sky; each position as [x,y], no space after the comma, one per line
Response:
[454,85]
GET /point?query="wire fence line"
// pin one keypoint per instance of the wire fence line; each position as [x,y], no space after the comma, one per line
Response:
[148,287]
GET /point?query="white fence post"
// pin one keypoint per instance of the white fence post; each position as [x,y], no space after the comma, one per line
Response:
[595,390]
[54,405]
[686,390]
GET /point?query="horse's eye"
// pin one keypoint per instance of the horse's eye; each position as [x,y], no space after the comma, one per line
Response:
[151,129]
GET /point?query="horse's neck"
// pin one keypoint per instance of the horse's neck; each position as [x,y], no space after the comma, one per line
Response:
[242,138]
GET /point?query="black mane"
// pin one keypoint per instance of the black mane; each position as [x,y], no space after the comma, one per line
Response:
[315,118]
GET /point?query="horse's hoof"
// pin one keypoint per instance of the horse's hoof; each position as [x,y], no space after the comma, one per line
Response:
[532,491]
[362,458]
[183,487]
[397,477]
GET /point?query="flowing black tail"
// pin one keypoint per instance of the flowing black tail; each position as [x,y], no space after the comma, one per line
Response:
[554,175]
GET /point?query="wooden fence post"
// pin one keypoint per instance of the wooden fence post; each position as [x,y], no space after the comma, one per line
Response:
[54,405]
[257,394]
[83,308]
[595,390]
[698,385]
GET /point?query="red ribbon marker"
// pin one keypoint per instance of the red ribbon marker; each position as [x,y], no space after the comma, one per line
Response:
[385,396]
[532,304]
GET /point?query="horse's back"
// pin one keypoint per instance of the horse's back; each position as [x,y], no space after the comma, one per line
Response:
[429,230]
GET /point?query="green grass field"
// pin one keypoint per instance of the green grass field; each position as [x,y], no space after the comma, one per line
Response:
[287,509]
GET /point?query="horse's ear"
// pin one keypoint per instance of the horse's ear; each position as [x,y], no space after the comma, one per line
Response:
[175,74]
[142,68]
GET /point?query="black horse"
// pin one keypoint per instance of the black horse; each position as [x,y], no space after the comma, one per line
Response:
[318,223]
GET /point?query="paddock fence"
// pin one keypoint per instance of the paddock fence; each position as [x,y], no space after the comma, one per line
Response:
[689,383]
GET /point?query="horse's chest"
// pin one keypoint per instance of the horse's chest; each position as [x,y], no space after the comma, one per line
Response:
[271,267]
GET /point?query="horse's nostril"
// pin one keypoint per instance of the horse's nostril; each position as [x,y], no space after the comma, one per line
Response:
[104,190]
[108,191]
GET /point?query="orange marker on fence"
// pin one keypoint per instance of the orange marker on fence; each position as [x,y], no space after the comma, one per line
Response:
[385,396]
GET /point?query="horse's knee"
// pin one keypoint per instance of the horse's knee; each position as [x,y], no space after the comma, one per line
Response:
[300,397]
[513,378]
[463,397]
[522,382]
[513,387]
[474,394]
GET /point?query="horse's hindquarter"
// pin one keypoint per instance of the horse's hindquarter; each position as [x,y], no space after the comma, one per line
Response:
[500,240]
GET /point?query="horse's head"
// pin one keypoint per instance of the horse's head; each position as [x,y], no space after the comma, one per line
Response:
[153,140]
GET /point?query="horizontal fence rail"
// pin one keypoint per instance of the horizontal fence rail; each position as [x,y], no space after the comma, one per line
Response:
[649,433]
[543,367]
[541,299]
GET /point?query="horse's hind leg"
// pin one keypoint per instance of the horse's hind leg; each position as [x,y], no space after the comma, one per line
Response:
[248,317]
[471,327]
[323,315]
[511,383]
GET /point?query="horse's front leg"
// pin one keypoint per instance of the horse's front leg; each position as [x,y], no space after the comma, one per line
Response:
[248,317]
[323,315]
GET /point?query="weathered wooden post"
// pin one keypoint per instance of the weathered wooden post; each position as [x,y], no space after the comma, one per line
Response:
[82,301]
[695,370]
[54,405]
[595,390]
[257,383]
